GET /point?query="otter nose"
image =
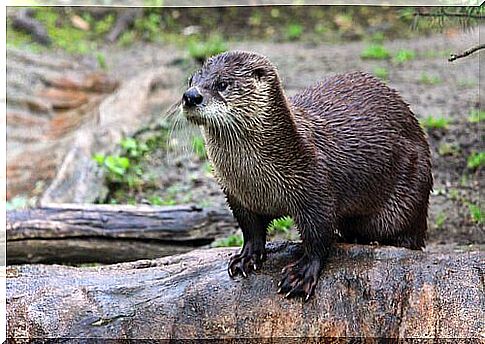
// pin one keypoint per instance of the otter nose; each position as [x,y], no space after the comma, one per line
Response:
[192,97]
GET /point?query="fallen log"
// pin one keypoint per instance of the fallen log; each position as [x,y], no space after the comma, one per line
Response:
[74,233]
[363,291]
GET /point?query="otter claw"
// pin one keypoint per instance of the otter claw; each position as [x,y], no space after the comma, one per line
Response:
[246,261]
[300,278]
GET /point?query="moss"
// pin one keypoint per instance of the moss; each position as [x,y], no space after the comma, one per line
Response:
[404,55]
[375,52]
[231,241]
[448,149]
[476,213]
[62,33]
[431,122]
[476,160]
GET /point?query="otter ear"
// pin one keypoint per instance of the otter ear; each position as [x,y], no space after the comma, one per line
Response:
[259,74]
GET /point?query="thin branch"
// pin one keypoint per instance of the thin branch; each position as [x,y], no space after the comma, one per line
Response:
[470,51]
[449,14]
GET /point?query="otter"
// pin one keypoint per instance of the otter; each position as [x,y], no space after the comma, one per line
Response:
[346,158]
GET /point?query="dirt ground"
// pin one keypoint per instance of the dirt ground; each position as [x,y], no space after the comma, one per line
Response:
[429,83]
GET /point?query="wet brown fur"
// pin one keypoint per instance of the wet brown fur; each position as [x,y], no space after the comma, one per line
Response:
[346,158]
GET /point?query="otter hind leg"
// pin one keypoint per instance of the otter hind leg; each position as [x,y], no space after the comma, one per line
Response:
[395,226]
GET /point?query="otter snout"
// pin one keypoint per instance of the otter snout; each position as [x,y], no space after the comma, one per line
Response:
[192,97]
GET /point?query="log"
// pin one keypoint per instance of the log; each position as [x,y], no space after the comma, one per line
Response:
[363,291]
[76,234]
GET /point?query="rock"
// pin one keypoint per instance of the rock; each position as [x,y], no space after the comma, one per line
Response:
[60,112]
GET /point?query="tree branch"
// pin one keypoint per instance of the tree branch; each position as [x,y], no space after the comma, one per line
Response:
[470,51]
[449,14]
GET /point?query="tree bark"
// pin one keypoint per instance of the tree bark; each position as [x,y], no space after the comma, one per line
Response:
[74,234]
[363,291]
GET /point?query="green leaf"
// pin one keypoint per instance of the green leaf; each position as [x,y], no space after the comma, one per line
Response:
[99,158]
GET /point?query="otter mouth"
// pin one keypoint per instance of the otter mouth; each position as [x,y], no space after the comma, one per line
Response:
[194,117]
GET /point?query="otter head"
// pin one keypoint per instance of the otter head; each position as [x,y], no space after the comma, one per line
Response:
[232,87]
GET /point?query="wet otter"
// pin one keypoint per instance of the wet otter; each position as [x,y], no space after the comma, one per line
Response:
[346,158]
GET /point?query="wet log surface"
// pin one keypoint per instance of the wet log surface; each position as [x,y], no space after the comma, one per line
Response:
[363,291]
[74,234]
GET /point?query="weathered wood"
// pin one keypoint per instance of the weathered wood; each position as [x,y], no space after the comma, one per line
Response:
[74,233]
[363,291]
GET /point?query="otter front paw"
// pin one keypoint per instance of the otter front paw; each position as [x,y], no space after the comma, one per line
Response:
[300,278]
[249,259]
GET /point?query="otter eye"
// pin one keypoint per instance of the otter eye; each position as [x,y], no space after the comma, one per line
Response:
[221,86]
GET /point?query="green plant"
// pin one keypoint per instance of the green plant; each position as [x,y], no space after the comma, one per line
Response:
[201,50]
[231,240]
[157,200]
[448,149]
[101,27]
[427,79]
[101,61]
[454,194]
[199,147]
[381,72]
[134,148]
[476,160]
[440,220]
[62,33]
[207,167]
[21,39]
[431,122]
[293,31]
[126,38]
[375,52]
[377,37]
[404,55]
[281,225]
[116,166]
[124,170]
[476,213]
[149,26]
[476,116]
